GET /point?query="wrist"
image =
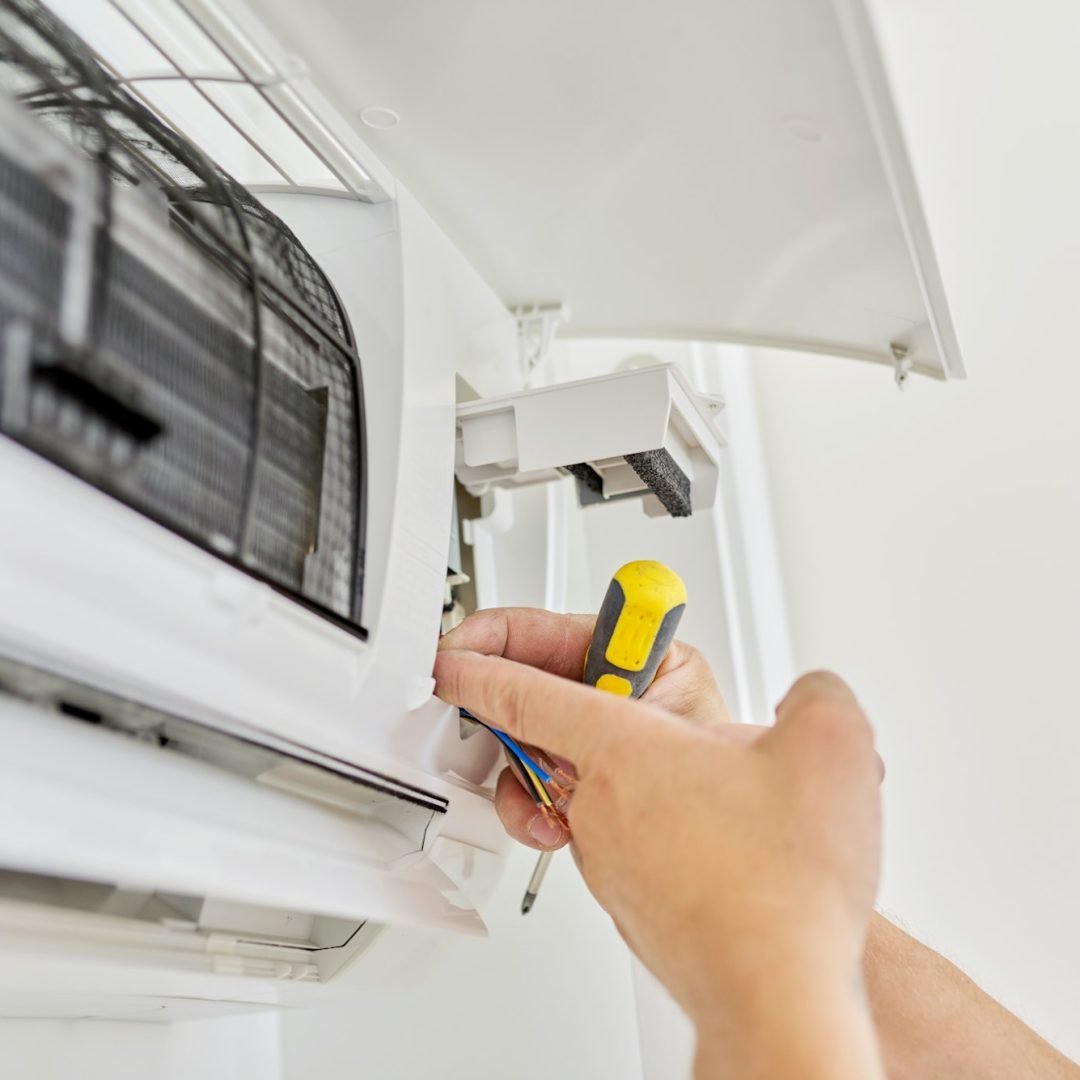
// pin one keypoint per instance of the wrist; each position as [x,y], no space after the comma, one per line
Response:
[805,1020]
[815,1035]
[743,964]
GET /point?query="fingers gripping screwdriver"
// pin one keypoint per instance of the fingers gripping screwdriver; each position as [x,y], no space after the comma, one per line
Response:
[633,633]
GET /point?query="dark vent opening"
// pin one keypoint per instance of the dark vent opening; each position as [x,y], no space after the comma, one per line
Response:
[80,712]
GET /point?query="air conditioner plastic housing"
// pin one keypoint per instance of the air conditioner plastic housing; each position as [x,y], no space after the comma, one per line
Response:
[739,177]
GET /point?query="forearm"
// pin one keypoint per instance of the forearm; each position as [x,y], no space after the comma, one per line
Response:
[934,1022]
[816,1030]
[845,1050]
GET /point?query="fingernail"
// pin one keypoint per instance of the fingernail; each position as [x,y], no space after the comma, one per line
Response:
[546,833]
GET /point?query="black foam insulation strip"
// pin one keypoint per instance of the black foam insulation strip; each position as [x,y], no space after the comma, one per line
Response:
[659,471]
[586,475]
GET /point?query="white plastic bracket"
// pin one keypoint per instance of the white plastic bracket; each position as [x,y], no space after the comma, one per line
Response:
[535,435]
[537,326]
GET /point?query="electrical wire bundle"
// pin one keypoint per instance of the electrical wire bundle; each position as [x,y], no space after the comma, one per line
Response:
[539,775]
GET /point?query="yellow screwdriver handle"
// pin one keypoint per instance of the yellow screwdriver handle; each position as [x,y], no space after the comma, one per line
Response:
[635,628]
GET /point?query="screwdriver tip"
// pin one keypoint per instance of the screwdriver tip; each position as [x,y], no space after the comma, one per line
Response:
[527,902]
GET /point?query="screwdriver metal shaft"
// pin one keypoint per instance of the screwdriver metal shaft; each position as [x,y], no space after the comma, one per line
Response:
[536,881]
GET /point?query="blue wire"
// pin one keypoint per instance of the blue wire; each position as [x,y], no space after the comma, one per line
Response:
[511,744]
[516,749]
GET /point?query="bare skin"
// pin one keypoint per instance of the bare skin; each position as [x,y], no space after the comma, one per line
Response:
[760,941]
[934,1023]
[764,941]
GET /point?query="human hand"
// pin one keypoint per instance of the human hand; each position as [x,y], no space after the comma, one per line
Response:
[741,869]
[684,686]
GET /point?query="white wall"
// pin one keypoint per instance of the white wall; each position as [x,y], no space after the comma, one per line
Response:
[228,1048]
[550,993]
[931,539]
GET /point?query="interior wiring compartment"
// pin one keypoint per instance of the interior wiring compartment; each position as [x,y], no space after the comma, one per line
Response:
[166,337]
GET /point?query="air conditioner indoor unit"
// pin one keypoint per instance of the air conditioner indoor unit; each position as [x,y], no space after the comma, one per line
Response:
[267,385]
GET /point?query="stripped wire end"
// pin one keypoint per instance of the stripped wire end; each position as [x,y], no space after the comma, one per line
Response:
[535,777]
[563,781]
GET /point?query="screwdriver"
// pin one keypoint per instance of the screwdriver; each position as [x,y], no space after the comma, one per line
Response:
[634,630]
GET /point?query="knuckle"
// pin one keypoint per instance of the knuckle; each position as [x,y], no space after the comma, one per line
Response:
[691,654]
[505,704]
[516,713]
[524,701]
[486,629]
[483,631]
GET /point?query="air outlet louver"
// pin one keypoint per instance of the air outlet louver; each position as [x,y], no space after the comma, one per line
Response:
[166,337]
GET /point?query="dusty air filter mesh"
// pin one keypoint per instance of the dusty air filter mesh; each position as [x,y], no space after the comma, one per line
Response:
[163,335]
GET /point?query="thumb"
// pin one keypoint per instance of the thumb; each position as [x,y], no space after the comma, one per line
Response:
[821,722]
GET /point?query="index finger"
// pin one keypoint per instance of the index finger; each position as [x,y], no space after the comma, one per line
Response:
[542,639]
[563,717]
